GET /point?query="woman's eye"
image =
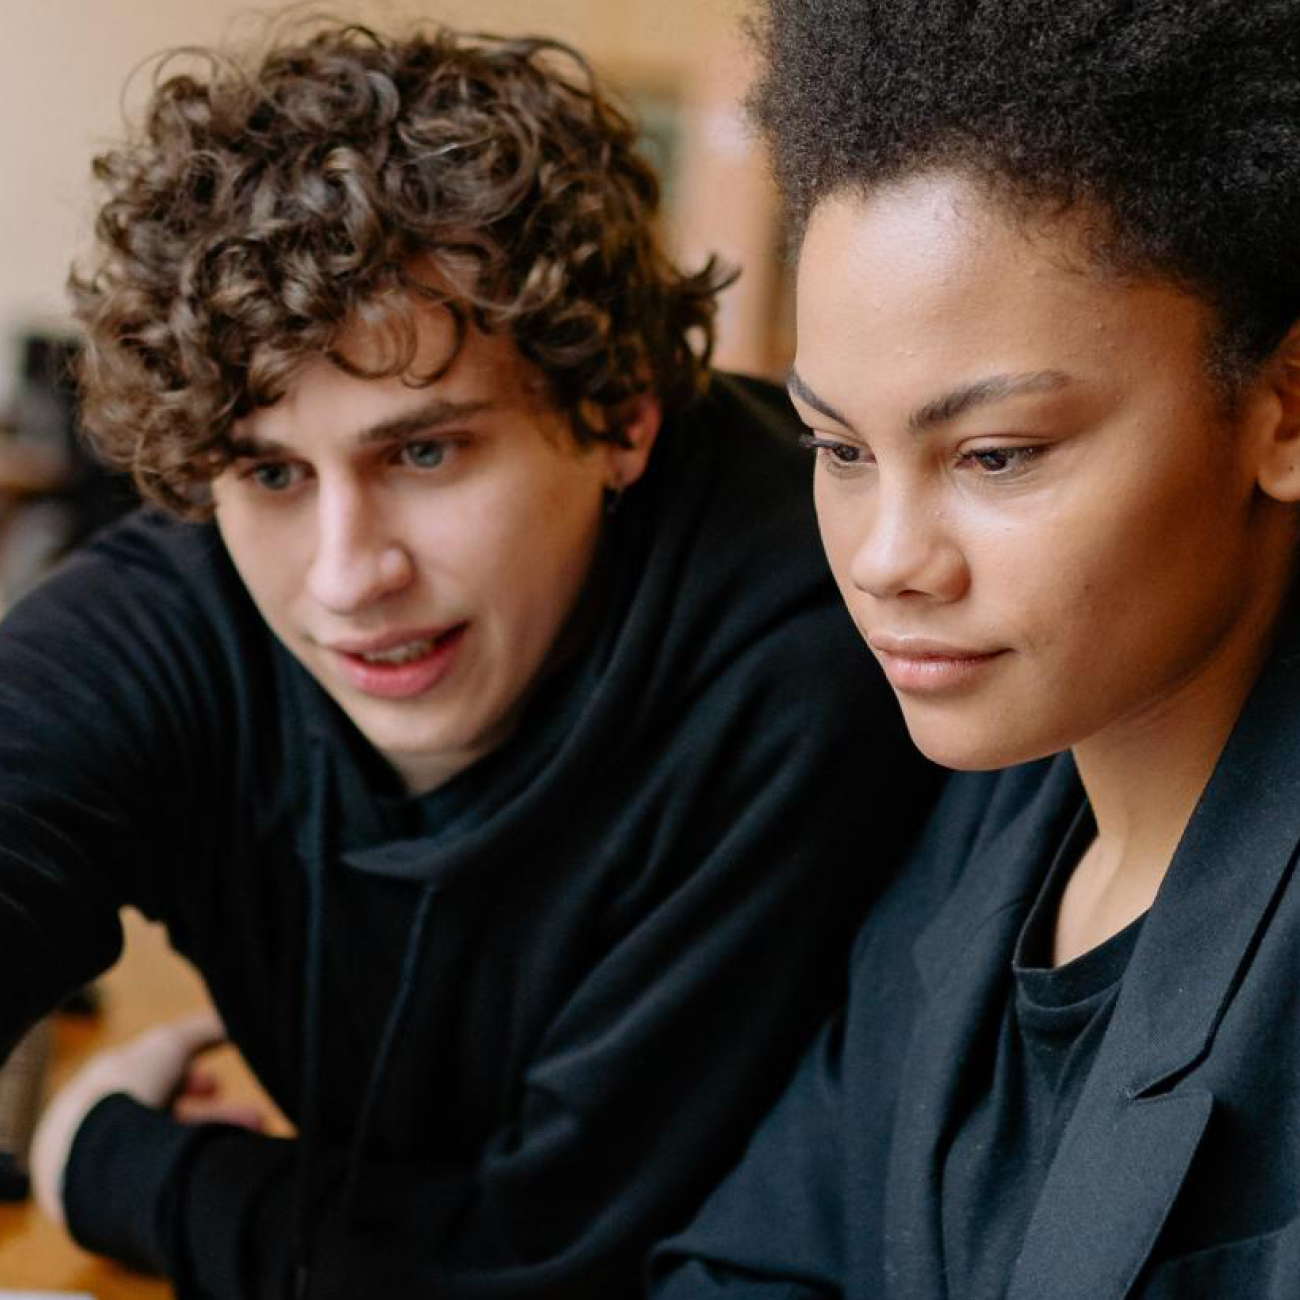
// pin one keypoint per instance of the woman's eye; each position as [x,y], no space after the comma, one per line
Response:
[425,454]
[837,455]
[1001,461]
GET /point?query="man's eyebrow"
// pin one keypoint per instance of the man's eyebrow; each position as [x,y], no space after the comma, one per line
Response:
[425,418]
[980,393]
[421,419]
[798,388]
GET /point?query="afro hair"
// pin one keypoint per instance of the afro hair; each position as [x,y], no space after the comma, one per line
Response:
[1172,126]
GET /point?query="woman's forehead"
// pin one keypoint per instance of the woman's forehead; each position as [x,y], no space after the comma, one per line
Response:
[930,285]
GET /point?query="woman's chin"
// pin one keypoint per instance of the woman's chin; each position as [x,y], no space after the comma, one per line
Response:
[974,749]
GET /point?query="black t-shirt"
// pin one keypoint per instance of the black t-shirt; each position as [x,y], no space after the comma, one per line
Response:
[1025,1087]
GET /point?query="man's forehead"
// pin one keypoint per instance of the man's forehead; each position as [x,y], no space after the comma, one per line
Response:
[435,386]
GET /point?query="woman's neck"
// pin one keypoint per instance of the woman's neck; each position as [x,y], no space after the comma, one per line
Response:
[1143,777]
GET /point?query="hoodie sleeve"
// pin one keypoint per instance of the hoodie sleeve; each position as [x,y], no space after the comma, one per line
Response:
[101,675]
[722,951]
[792,1185]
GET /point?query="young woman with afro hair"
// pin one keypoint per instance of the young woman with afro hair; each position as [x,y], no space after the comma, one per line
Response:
[1048,357]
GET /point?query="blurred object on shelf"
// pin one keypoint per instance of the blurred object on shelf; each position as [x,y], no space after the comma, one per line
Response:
[53,492]
[724,202]
[88,1001]
[22,1087]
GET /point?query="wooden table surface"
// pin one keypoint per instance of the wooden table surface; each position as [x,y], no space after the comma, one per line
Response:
[149,984]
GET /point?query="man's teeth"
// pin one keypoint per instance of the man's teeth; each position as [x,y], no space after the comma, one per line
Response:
[402,654]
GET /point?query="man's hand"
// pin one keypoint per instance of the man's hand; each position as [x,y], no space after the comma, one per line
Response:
[156,1069]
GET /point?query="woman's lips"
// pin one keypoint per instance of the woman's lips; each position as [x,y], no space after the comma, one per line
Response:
[917,665]
[399,667]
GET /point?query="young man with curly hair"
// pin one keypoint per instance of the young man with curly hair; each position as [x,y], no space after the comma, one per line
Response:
[484,733]
[1049,360]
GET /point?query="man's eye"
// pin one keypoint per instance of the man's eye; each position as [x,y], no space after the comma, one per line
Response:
[273,475]
[425,454]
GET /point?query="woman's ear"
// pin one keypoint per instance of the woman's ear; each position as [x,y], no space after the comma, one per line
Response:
[1279,459]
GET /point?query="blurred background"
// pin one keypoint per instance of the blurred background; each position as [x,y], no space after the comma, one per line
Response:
[64,65]
[72,71]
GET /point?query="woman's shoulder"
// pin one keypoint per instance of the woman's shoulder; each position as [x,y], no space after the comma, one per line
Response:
[979,822]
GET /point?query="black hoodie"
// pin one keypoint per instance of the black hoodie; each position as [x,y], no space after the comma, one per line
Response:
[522,1022]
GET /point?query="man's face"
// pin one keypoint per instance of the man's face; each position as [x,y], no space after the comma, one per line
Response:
[419,549]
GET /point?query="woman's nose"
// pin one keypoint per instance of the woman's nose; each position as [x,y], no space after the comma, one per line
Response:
[908,547]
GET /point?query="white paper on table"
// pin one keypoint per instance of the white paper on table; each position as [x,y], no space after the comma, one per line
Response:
[45,1295]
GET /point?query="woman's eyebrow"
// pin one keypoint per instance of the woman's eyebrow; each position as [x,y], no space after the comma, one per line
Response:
[966,397]
[794,382]
[981,392]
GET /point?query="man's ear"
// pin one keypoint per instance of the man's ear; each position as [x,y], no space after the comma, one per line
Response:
[1279,456]
[638,419]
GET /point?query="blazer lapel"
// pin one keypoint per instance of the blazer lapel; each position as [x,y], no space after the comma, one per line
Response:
[964,959]
[1140,1117]
[1108,1193]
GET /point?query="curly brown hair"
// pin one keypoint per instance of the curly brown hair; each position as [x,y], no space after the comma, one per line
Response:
[268,202]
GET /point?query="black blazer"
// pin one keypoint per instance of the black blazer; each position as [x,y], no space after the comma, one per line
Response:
[1178,1175]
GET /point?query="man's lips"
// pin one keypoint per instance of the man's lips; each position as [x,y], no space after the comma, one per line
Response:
[399,665]
[405,644]
[922,664]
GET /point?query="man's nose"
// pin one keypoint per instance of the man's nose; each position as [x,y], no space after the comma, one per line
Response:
[359,556]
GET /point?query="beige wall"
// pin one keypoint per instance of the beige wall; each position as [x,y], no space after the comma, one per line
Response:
[63,65]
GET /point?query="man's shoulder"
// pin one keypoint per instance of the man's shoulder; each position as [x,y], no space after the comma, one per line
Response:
[152,555]
[729,513]
[149,540]
[148,580]
[972,813]
[751,412]
[738,447]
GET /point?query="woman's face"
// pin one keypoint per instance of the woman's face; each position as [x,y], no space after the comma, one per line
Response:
[1044,522]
